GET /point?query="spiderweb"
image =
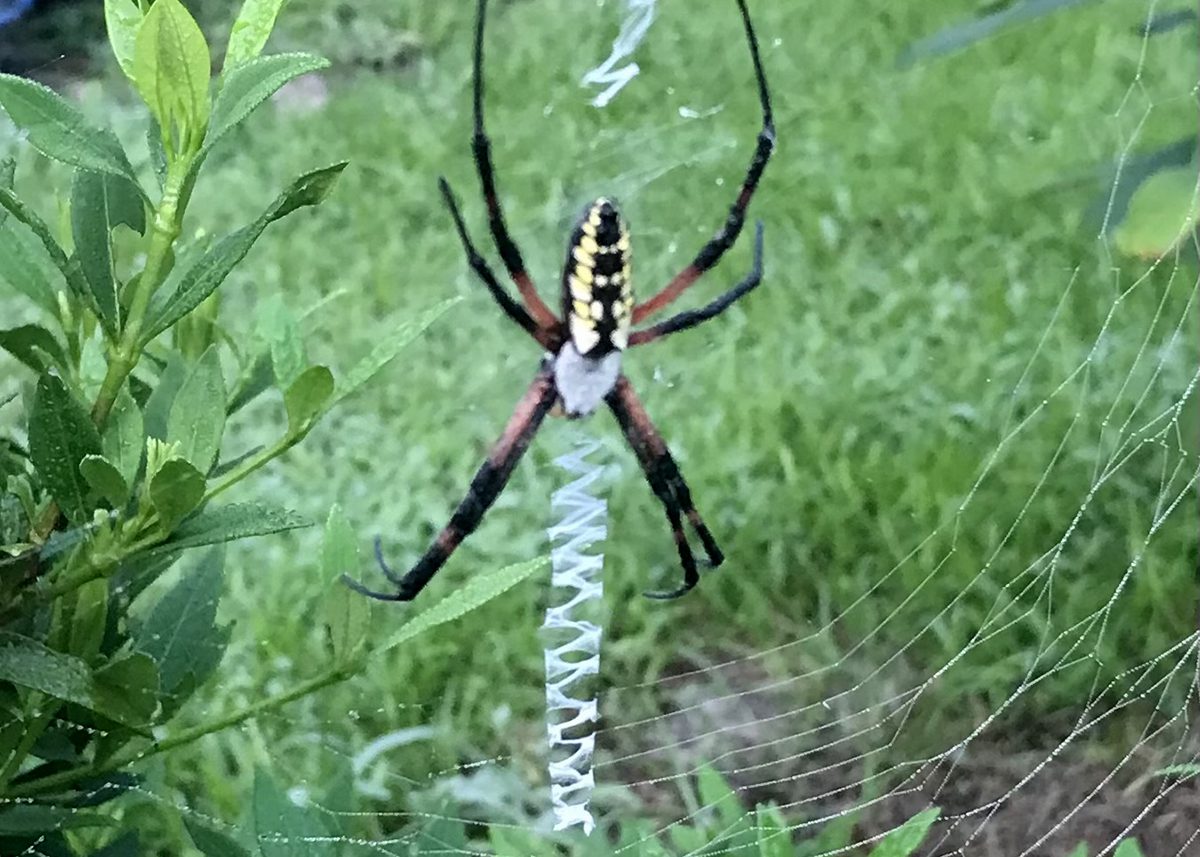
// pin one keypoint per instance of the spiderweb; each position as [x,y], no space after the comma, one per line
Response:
[842,719]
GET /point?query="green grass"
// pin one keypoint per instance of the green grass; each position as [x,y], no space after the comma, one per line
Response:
[924,295]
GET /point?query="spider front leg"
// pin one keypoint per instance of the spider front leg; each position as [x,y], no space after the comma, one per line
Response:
[489,481]
[693,317]
[548,337]
[710,254]
[481,147]
[665,480]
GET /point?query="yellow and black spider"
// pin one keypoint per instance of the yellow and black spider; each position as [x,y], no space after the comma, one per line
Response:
[582,366]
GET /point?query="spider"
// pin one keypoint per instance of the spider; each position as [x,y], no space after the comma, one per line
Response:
[582,364]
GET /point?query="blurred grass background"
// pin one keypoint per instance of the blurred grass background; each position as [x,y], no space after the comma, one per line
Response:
[854,426]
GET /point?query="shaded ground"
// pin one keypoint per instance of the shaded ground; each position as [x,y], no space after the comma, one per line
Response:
[999,794]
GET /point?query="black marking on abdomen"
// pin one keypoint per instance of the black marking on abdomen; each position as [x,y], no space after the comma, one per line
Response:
[597,297]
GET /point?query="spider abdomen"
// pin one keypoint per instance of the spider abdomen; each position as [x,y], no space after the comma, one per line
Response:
[597,294]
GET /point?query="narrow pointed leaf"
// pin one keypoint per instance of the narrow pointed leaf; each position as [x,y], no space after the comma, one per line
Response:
[475,593]
[158,407]
[964,34]
[29,663]
[907,838]
[26,819]
[70,269]
[22,269]
[197,418]
[34,346]
[212,842]
[250,31]
[208,272]
[183,621]
[123,18]
[127,689]
[284,829]
[227,523]
[249,85]
[387,350]
[124,438]
[278,326]
[347,613]
[99,202]
[60,434]
[58,130]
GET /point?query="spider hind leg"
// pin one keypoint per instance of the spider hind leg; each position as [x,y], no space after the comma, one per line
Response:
[489,481]
[662,473]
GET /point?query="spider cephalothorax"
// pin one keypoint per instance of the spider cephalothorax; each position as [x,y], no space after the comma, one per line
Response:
[582,366]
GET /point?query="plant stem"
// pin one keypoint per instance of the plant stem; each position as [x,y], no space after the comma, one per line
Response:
[333,675]
[125,355]
[249,466]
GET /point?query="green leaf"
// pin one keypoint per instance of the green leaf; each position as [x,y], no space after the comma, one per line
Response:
[774,838]
[36,347]
[249,85]
[171,69]
[183,622]
[228,523]
[959,36]
[282,332]
[387,350]
[70,269]
[1184,771]
[37,818]
[1080,850]
[717,797]
[124,437]
[1128,848]
[28,663]
[347,614]
[176,490]
[1163,211]
[306,398]
[212,842]
[197,418]
[59,131]
[125,846]
[250,31]
[127,689]
[208,272]
[158,407]
[284,829]
[88,618]
[907,838]
[475,593]
[105,480]
[22,269]
[123,19]
[60,435]
[99,203]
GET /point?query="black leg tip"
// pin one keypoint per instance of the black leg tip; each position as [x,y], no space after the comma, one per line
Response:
[672,595]
[371,593]
[387,570]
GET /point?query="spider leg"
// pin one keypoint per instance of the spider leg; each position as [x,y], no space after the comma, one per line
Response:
[712,252]
[665,480]
[481,268]
[481,147]
[693,317]
[489,481]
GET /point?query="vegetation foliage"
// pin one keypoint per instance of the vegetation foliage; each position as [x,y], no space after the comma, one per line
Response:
[835,421]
